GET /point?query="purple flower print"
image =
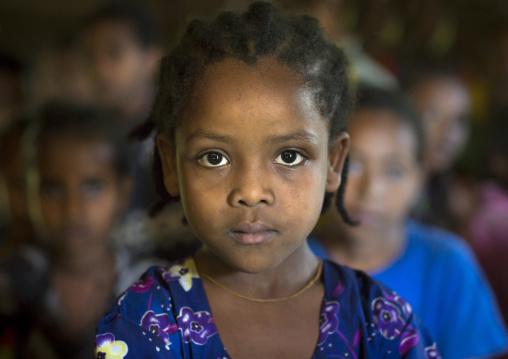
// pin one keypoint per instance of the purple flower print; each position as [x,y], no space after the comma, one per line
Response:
[432,352]
[106,347]
[408,340]
[328,321]
[143,286]
[196,327]
[158,325]
[183,273]
[387,318]
[406,307]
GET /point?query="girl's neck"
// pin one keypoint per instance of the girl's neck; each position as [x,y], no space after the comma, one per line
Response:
[283,280]
[85,264]
[367,251]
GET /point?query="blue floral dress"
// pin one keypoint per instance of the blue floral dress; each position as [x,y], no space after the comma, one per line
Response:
[167,315]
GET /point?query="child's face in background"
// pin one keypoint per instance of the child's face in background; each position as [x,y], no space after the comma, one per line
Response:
[80,193]
[251,163]
[384,174]
[444,106]
[122,68]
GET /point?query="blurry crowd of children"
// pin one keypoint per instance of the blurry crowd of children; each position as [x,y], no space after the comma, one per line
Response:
[75,196]
[75,229]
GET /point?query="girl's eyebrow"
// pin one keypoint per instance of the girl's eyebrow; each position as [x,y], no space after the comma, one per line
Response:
[298,135]
[209,136]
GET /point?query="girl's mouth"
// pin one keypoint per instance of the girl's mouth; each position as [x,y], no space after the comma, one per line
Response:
[252,233]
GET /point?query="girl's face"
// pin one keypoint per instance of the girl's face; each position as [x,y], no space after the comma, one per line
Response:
[251,162]
[384,174]
[80,193]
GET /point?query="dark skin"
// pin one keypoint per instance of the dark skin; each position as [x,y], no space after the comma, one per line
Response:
[251,161]
[270,324]
[284,338]
[81,195]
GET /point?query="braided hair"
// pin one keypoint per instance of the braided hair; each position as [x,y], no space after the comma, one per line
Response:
[261,32]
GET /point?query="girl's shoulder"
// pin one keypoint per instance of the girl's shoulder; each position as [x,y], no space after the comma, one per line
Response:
[370,317]
[355,283]
[159,316]
[163,287]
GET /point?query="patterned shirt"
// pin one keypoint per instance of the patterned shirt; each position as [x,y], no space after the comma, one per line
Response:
[167,315]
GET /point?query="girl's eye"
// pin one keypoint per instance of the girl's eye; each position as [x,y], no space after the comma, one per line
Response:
[290,158]
[213,159]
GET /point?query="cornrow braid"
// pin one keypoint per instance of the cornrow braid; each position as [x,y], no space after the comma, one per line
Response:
[340,195]
[262,32]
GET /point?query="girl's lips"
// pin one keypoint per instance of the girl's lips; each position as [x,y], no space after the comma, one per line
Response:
[252,233]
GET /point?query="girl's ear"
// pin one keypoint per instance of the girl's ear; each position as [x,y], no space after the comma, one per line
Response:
[339,148]
[167,156]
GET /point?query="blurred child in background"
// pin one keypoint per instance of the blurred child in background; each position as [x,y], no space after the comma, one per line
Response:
[61,288]
[443,102]
[433,269]
[124,49]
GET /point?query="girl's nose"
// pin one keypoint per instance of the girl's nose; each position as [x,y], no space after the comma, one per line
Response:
[251,187]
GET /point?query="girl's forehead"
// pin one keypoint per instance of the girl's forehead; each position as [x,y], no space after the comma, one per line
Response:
[266,72]
[233,89]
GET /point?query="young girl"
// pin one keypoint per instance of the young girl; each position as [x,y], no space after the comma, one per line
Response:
[59,289]
[431,268]
[251,119]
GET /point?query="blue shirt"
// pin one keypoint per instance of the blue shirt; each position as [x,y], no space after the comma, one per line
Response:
[167,315]
[438,274]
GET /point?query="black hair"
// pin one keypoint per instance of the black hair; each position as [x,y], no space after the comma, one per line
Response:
[59,119]
[144,27]
[396,102]
[261,32]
